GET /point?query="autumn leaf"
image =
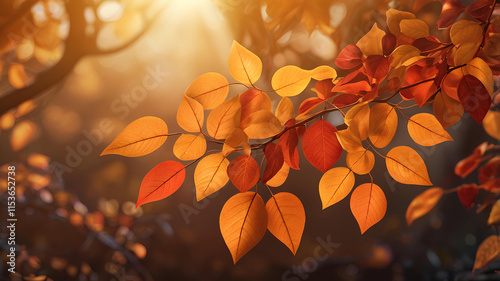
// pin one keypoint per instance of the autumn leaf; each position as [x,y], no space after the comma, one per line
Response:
[139,138]
[350,57]
[243,223]
[23,134]
[426,130]
[286,219]
[323,89]
[406,166]
[467,34]
[224,118]
[474,97]
[423,203]
[368,205]
[234,140]
[480,9]
[360,162]
[335,185]
[491,124]
[244,172]
[394,18]
[470,163]
[190,147]
[284,111]
[253,101]
[309,104]
[264,125]
[280,177]
[162,181]
[377,67]
[288,144]
[467,194]
[244,65]
[383,124]
[274,161]
[478,68]
[210,175]
[291,80]
[210,90]
[321,146]
[489,174]
[451,10]
[359,117]
[447,110]
[487,252]
[349,139]
[190,115]
[494,217]
[371,42]
[414,28]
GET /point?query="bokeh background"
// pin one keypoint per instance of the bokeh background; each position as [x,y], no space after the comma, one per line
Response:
[76,211]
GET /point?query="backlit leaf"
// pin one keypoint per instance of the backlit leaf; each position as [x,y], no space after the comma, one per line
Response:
[264,125]
[488,251]
[474,97]
[350,57]
[480,9]
[451,10]
[494,217]
[423,203]
[139,138]
[285,111]
[243,223]
[210,175]
[274,161]
[335,185]
[394,17]
[286,219]
[234,140]
[190,115]
[360,162]
[468,35]
[349,139]
[368,205]
[309,104]
[209,89]
[163,180]
[224,118]
[414,28]
[190,147]
[467,194]
[491,124]
[280,177]
[359,117]
[383,124]
[244,65]
[406,166]
[426,130]
[244,172]
[291,80]
[371,42]
[321,146]
[447,110]
[251,102]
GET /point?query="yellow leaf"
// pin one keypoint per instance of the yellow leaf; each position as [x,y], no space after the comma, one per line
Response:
[447,110]
[349,139]
[291,80]
[190,115]
[406,166]
[479,69]
[243,223]
[139,138]
[359,117]
[423,203]
[394,17]
[414,28]
[383,124]
[371,42]
[234,140]
[280,177]
[360,162]
[190,147]
[426,130]
[494,217]
[244,65]
[403,53]
[209,89]
[7,121]
[335,185]
[368,205]
[467,34]
[264,125]
[491,124]
[285,111]
[22,134]
[210,175]
[286,219]
[17,76]
[224,118]
[487,252]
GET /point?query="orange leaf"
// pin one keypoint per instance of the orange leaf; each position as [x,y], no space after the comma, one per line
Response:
[426,130]
[359,117]
[264,125]
[321,146]
[494,217]
[451,10]
[251,102]
[474,97]
[383,124]
[286,219]
[406,166]
[481,70]
[280,177]
[468,35]
[244,65]
[349,139]
[368,205]
[309,104]
[487,252]
[190,115]
[470,163]
[190,147]
[423,203]
[288,143]
[447,110]
[350,57]
[284,111]
[236,139]
[371,42]
[414,28]
[480,9]
[360,162]
[291,80]
[243,223]
[139,138]
[163,180]
[210,175]
[335,185]
[23,134]
[209,89]
[274,161]
[323,89]
[394,17]
[224,118]
[491,124]
[244,172]
[377,67]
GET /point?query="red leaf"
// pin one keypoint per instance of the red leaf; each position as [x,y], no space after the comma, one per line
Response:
[309,104]
[474,97]
[470,163]
[467,194]
[377,66]
[288,143]
[244,172]
[420,71]
[350,57]
[451,10]
[480,9]
[427,44]
[321,146]
[163,180]
[353,83]
[489,174]
[274,161]
[389,42]
[345,99]
[324,89]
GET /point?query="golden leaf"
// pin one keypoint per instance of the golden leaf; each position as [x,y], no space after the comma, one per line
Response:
[224,118]
[360,162]
[190,147]
[210,175]
[209,89]
[190,115]
[368,205]
[285,111]
[335,185]
[406,166]
[423,203]
[383,124]
[291,80]
[426,130]
[394,17]
[280,177]
[244,65]
[487,252]
[414,28]
[371,42]
[264,125]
